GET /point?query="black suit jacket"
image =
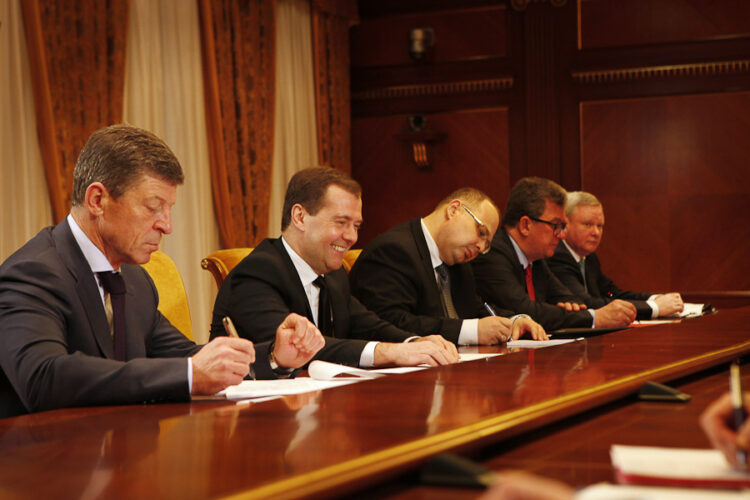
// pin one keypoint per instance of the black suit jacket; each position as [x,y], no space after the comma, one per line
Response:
[265,287]
[55,347]
[394,277]
[501,280]
[601,289]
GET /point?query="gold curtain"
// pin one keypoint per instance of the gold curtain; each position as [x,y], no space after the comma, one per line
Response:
[331,22]
[238,43]
[77,59]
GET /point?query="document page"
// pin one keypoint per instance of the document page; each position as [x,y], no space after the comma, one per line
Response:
[615,492]
[675,466]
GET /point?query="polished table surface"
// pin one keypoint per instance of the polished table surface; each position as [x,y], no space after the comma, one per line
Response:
[576,450]
[345,439]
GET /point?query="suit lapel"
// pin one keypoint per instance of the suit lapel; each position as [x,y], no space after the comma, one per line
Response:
[86,288]
[299,296]
[432,291]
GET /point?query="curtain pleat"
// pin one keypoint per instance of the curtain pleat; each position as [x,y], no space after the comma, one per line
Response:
[237,38]
[331,22]
[77,57]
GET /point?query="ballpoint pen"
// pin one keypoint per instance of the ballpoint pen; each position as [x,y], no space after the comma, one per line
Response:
[738,403]
[232,332]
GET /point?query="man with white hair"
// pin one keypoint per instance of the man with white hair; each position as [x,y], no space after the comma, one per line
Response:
[576,264]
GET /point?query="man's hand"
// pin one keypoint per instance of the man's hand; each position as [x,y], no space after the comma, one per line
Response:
[297,341]
[716,421]
[616,313]
[222,362]
[493,330]
[450,347]
[669,304]
[571,306]
[517,485]
[424,351]
[529,327]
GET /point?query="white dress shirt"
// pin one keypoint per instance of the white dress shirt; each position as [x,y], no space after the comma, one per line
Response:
[307,276]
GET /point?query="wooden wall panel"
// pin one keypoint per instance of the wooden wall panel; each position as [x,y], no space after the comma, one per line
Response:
[474,153]
[672,175]
[384,41]
[610,23]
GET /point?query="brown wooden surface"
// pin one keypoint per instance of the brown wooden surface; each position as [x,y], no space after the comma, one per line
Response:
[397,190]
[607,23]
[344,439]
[576,450]
[675,190]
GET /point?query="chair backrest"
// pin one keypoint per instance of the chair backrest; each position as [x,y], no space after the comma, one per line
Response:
[221,262]
[351,257]
[173,302]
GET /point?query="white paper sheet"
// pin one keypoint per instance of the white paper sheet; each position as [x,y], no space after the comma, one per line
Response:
[536,344]
[283,387]
[614,492]
[674,463]
[691,310]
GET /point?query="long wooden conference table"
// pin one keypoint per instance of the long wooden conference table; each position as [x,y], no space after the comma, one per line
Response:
[553,410]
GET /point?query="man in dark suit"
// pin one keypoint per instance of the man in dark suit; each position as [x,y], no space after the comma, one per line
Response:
[515,275]
[302,272]
[79,317]
[576,264]
[417,275]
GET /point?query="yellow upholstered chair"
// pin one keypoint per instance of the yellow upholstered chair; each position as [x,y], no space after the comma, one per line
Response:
[219,263]
[173,302]
[350,257]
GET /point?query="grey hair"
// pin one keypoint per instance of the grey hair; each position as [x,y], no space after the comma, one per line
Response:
[580,198]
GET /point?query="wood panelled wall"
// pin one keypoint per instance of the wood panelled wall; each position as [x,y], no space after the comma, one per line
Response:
[644,103]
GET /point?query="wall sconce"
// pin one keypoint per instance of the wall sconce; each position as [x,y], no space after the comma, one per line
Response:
[421,41]
[420,140]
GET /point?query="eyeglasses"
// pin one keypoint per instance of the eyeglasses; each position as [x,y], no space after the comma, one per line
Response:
[557,227]
[482,230]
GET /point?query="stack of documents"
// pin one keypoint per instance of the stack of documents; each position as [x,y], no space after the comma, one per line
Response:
[648,465]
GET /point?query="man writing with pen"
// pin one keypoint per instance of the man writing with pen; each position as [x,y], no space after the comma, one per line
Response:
[417,275]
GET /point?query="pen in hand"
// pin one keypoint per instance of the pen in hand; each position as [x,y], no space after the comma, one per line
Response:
[232,332]
[489,309]
[738,405]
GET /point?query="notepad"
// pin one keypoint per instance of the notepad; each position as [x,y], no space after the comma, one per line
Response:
[618,492]
[700,468]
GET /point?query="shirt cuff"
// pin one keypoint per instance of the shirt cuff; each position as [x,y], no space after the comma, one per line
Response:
[469,334]
[654,308]
[593,316]
[367,358]
[190,375]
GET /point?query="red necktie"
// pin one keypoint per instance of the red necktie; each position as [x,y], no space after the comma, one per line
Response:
[530,283]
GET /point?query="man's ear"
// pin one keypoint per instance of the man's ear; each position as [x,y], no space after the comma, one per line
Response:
[524,225]
[451,209]
[299,216]
[96,198]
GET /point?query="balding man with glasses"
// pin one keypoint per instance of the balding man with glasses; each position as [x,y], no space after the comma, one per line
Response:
[515,275]
[417,275]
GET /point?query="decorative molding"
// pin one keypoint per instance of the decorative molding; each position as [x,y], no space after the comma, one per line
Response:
[520,5]
[434,89]
[664,71]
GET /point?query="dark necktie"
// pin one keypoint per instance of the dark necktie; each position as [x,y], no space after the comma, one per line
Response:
[445,291]
[582,265]
[324,307]
[530,283]
[114,285]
